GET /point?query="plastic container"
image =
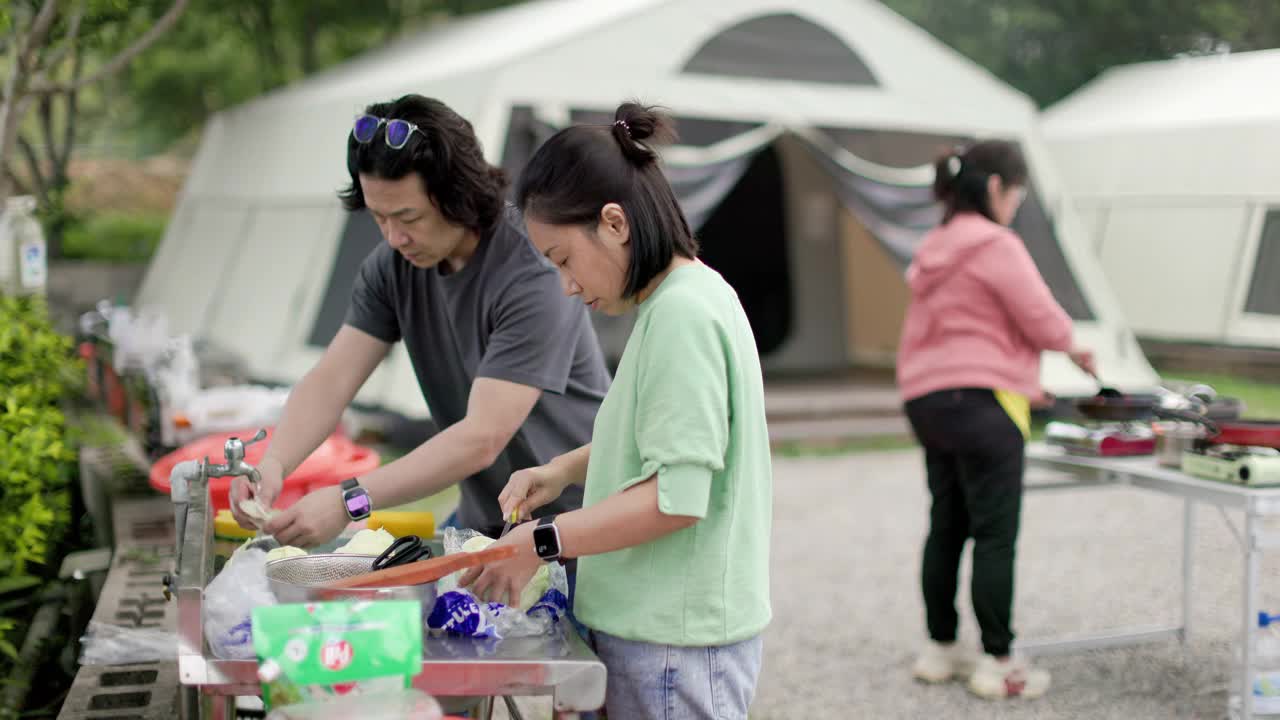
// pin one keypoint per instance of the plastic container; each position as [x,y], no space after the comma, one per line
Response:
[337,459]
[1266,664]
[223,410]
[408,704]
[402,523]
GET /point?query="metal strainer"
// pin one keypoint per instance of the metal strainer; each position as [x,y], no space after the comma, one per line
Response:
[303,578]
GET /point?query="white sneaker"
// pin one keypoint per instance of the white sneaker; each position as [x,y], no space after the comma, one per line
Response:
[940,663]
[997,679]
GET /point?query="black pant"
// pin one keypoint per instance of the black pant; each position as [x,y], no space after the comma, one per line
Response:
[974,457]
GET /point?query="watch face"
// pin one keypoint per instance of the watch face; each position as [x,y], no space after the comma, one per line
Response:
[546,542]
[357,504]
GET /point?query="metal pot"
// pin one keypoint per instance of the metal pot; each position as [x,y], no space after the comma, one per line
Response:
[303,578]
[1175,438]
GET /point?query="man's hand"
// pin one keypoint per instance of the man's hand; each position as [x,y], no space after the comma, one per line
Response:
[530,489]
[271,481]
[316,518]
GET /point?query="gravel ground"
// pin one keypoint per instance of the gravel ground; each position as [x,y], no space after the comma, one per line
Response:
[848,618]
[848,615]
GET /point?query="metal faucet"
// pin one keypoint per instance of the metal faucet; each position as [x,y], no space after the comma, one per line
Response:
[179,484]
[233,448]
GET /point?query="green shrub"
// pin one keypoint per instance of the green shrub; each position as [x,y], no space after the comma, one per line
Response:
[38,373]
[113,236]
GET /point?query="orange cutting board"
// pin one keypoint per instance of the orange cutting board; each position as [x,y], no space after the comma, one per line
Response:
[424,571]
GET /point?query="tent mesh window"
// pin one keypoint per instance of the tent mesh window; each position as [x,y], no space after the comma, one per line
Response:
[1264,288]
[359,238]
[781,46]
[900,149]
[693,131]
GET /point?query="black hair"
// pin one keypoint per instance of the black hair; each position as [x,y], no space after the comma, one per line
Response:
[961,181]
[585,167]
[445,153]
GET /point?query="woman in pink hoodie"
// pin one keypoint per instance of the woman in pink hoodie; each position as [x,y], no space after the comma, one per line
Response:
[968,370]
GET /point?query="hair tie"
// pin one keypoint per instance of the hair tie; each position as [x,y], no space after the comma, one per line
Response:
[955,165]
[625,127]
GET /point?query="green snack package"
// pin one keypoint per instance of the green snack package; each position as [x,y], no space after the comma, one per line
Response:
[311,651]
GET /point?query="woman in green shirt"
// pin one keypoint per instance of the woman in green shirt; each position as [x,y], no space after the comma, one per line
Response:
[672,541]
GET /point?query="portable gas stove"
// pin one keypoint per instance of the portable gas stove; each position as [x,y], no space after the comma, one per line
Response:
[1120,439]
[1239,464]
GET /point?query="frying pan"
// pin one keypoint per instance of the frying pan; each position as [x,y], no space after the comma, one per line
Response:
[423,571]
[1111,405]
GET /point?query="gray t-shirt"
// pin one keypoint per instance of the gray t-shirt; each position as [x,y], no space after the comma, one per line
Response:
[502,316]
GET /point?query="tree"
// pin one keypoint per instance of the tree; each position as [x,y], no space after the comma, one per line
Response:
[249,47]
[1049,48]
[45,48]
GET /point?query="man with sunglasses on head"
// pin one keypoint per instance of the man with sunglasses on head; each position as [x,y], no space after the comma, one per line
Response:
[510,367]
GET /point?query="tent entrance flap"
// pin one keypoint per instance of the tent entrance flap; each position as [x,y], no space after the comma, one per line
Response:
[744,239]
[729,182]
[896,204]
[360,235]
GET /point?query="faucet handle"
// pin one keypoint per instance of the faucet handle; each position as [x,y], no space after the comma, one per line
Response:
[234,447]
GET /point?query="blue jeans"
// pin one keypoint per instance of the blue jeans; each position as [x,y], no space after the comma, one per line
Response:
[667,682]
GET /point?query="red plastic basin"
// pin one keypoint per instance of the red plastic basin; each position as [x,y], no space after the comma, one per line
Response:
[337,459]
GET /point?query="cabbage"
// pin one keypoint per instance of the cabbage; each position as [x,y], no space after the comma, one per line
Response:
[368,542]
[537,586]
[287,551]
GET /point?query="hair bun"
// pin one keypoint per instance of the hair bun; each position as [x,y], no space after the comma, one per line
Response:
[637,128]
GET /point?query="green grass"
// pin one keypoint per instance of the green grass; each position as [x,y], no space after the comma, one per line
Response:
[115,236]
[828,448]
[1262,400]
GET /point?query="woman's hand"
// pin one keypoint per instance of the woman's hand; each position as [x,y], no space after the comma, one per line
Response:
[530,489]
[503,581]
[1083,358]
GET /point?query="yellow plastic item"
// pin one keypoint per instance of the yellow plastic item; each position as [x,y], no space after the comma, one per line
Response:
[402,523]
[225,526]
[1018,407]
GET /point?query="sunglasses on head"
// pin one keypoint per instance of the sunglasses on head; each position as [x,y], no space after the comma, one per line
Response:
[397,135]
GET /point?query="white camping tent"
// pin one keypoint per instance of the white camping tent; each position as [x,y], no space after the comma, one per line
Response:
[808,128]
[1173,168]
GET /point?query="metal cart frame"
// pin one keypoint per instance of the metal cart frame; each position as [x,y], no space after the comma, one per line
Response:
[1144,473]
[560,665]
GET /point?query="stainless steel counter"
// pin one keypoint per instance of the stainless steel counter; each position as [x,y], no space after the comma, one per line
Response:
[560,665]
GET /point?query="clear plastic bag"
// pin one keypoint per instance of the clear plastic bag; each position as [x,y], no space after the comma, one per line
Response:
[392,705]
[458,612]
[224,409]
[230,599]
[106,644]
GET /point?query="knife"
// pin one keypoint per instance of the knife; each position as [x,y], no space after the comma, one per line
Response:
[515,517]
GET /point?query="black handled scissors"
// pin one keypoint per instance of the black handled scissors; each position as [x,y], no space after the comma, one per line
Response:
[405,550]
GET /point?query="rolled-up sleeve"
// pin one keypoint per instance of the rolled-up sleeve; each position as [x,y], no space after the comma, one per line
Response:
[682,407]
